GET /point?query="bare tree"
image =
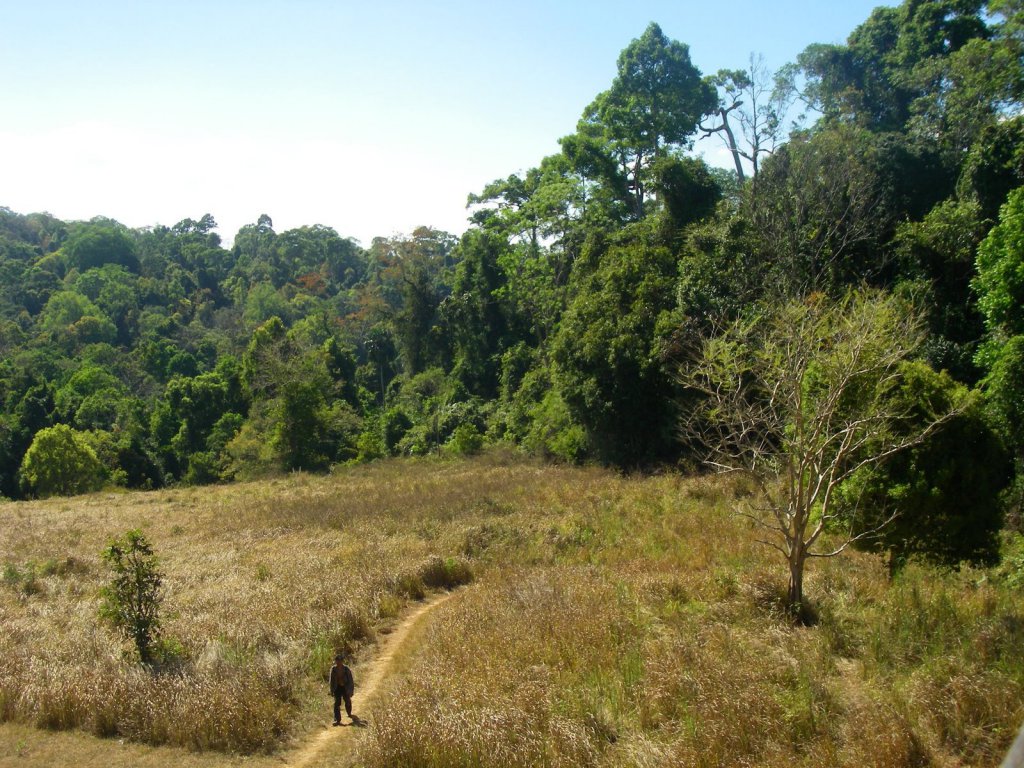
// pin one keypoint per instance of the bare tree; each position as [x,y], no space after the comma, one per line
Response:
[798,399]
[755,101]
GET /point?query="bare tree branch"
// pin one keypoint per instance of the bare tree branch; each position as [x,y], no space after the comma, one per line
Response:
[799,400]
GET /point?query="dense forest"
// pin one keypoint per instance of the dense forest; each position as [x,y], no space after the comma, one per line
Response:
[560,321]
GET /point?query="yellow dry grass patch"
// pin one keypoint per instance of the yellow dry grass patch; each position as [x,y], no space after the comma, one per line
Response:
[613,621]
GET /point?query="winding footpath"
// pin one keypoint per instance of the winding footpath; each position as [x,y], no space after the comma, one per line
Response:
[368,680]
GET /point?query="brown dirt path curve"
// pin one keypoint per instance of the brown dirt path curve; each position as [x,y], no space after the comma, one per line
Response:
[368,679]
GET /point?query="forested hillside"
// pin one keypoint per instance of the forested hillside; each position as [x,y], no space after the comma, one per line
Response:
[560,321]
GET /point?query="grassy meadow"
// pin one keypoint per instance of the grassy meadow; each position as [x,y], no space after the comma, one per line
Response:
[601,620]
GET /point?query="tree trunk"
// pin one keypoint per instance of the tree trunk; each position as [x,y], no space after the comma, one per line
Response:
[732,145]
[638,189]
[795,597]
[896,561]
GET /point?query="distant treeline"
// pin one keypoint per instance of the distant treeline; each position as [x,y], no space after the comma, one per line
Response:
[558,321]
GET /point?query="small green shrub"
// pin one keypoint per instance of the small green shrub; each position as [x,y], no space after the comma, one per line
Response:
[466,440]
[23,580]
[131,602]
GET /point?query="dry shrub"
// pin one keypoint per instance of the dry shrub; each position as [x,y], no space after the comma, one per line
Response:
[729,699]
[504,731]
[517,673]
[445,573]
[200,710]
[492,539]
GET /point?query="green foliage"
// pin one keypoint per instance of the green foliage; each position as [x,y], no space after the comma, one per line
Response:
[553,431]
[656,99]
[370,445]
[91,398]
[60,462]
[1004,388]
[300,433]
[938,254]
[817,231]
[71,316]
[131,601]
[609,369]
[263,303]
[1000,280]
[466,440]
[416,272]
[995,166]
[553,321]
[939,499]
[249,453]
[473,313]
[688,188]
[875,79]
[98,244]
[1005,392]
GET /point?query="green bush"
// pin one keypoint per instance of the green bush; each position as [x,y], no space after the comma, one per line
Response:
[60,462]
[553,431]
[131,602]
[466,440]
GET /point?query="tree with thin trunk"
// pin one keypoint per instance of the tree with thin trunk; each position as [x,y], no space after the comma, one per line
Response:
[132,599]
[799,398]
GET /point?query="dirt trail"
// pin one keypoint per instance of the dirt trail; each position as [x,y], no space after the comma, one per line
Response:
[368,679]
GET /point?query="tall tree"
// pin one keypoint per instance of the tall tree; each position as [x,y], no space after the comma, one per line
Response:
[474,313]
[818,215]
[415,277]
[607,351]
[874,79]
[654,103]
[99,243]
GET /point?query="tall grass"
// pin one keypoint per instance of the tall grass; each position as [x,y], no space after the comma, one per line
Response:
[536,656]
[266,582]
[957,644]
[611,621]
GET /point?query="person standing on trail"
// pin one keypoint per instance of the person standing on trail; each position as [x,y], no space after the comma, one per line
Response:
[342,687]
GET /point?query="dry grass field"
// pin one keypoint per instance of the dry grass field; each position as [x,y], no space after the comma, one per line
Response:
[605,620]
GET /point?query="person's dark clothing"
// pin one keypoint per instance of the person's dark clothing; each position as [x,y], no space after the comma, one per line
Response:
[342,687]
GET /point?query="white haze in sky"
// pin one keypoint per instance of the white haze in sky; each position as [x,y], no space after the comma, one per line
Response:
[372,118]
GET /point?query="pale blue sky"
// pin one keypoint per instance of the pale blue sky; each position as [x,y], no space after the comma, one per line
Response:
[370,117]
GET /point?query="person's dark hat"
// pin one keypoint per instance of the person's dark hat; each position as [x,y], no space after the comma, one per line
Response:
[339,657]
